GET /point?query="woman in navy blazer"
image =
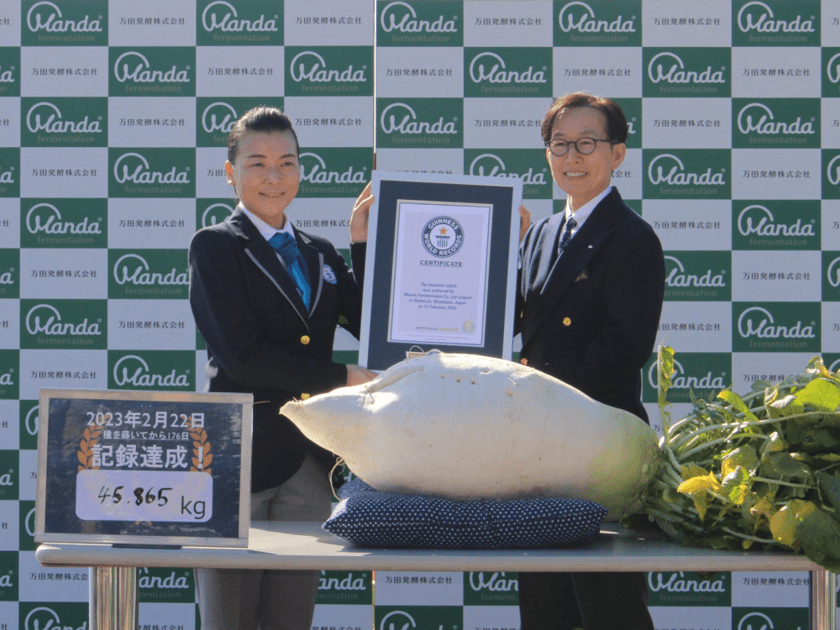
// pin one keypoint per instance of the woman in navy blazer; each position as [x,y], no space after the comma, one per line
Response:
[270,336]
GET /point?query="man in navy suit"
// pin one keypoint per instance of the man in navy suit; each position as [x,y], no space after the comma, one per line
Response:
[591,284]
[267,298]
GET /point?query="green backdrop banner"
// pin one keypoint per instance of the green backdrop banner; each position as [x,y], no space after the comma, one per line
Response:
[113,123]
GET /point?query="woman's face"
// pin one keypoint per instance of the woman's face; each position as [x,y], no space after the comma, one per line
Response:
[266,175]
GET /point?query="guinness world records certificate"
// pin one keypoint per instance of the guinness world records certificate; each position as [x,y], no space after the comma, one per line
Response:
[440,269]
[440,273]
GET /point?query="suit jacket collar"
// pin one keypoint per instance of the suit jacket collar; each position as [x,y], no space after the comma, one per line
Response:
[556,275]
[265,258]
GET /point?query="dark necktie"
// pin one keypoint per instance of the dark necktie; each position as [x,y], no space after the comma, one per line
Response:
[285,245]
[571,224]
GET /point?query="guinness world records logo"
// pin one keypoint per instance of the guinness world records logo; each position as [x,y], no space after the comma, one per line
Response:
[443,236]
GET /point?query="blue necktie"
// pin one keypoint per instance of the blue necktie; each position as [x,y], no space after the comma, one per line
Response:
[571,224]
[285,245]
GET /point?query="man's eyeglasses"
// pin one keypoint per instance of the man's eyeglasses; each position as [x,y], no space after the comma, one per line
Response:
[584,146]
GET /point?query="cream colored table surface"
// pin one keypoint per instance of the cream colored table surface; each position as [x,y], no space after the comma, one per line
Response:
[304,545]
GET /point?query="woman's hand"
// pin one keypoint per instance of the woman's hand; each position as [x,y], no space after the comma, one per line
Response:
[359,218]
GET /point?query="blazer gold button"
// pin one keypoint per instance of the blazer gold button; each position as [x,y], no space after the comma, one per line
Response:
[523,361]
[567,321]
[304,396]
[305,340]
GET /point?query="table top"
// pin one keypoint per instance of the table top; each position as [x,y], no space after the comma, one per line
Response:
[304,545]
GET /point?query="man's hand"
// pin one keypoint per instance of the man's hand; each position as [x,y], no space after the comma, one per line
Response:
[357,375]
[359,218]
[524,222]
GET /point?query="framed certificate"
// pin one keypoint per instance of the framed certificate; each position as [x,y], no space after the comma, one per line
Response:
[440,271]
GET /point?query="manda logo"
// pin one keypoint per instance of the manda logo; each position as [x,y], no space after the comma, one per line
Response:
[832,69]
[218,116]
[7,177]
[313,169]
[669,68]
[682,381]
[7,76]
[832,171]
[46,16]
[311,66]
[144,580]
[490,165]
[832,273]
[6,581]
[757,219]
[6,479]
[347,583]
[757,16]
[133,269]
[133,167]
[47,117]
[758,621]
[391,123]
[495,71]
[677,583]
[222,16]
[757,321]
[579,16]
[31,421]
[44,618]
[496,582]
[393,619]
[46,319]
[6,379]
[142,71]
[669,169]
[132,370]
[215,213]
[677,276]
[400,16]
[46,218]
[765,123]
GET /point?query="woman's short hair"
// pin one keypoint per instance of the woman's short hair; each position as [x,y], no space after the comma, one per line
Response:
[616,121]
[260,119]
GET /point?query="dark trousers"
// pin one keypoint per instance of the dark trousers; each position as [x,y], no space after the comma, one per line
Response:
[592,601]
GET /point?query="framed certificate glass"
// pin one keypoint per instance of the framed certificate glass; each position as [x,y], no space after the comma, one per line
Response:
[440,269]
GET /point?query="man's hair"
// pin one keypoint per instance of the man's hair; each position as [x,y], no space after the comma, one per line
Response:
[616,121]
[260,119]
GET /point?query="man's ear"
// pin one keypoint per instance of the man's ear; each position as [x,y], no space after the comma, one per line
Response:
[229,173]
[619,151]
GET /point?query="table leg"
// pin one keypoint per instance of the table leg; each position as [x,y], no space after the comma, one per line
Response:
[823,600]
[113,598]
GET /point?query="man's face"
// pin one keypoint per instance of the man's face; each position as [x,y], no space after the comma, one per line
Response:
[583,177]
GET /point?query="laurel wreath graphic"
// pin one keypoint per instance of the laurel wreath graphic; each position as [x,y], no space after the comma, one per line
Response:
[202,457]
[85,454]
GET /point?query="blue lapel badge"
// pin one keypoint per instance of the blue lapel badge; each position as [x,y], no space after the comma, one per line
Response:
[329,275]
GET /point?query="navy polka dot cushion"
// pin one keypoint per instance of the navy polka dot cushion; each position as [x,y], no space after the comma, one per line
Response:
[369,518]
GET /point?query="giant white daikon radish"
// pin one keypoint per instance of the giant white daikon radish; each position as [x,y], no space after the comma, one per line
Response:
[469,427]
